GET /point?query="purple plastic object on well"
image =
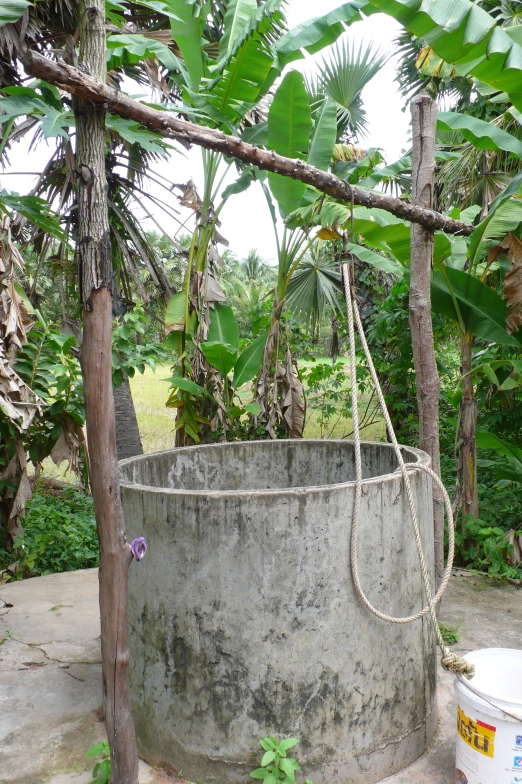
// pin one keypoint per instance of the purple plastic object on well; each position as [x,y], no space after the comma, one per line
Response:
[139,547]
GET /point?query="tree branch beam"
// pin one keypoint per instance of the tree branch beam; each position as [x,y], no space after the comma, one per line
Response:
[166,124]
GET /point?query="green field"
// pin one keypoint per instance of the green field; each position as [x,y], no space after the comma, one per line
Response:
[156,422]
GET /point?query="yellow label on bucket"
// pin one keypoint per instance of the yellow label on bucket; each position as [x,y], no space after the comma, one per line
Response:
[480,736]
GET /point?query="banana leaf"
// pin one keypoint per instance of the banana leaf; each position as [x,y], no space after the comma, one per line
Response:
[289,126]
[481,310]
[504,215]
[481,134]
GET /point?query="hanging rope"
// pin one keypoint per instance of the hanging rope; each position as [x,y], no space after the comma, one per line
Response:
[450,660]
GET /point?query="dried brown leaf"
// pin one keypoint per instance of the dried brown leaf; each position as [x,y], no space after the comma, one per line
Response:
[189,196]
[60,450]
[515,540]
[293,407]
[212,291]
[328,234]
[513,282]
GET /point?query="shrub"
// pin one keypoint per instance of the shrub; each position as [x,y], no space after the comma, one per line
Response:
[59,534]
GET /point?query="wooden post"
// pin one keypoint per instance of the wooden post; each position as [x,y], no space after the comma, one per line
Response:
[467,439]
[95,277]
[424,120]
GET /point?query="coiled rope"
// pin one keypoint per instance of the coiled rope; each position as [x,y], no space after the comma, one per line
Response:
[450,661]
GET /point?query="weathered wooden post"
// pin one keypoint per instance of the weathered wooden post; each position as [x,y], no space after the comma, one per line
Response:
[95,278]
[424,121]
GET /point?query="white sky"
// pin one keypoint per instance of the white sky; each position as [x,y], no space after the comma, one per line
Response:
[245,218]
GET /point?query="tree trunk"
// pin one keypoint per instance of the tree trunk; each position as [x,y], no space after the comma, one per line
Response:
[95,274]
[168,124]
[424,120]
[128,439]
[467,467]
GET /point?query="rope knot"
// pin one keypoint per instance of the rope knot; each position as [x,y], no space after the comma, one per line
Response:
[457,665]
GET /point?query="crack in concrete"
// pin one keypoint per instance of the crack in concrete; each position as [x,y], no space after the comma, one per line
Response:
[74,676]
[37,646]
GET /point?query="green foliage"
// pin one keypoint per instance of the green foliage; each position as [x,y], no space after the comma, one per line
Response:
[217,406]
[237,17]
[101,772]
[133,133]
[131,48]
[324,136]
[498,389]
[342,77]
[133,348]
[504,215]
[187,30]
[315,284]
[36,210]
[389,339]
[483,135]
[378,229]
[484,547]
[12,10]
[43,102]
[59,534]
[327,394]
[223,328]
[289,126]
[275,765]
[317,33]
[450,633]
[476,307]
[470,40]
[48,366]
[249,361]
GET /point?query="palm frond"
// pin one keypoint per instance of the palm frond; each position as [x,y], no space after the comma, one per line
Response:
[342,76]
[315,284]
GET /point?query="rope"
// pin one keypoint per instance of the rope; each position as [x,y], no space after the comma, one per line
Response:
[449,660]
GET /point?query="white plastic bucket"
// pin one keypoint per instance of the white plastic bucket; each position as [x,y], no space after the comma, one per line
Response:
[489,742]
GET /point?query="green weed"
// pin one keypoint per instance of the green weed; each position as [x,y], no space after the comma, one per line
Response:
[101,773]
[275,765]
[450,633]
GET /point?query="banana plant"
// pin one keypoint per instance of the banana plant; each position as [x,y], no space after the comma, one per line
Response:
[39,400]
[221,86]
[304,122]
[460,288]
[471,40]
[480,312]
[215,414]
[292,130]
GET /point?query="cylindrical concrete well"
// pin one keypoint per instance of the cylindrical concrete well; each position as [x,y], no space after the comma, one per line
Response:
[244,620]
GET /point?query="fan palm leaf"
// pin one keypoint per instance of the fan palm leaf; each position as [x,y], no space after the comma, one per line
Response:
[315,284]
[342,77]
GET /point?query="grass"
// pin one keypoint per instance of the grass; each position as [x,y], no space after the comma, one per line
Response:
[156,422]
[450,634]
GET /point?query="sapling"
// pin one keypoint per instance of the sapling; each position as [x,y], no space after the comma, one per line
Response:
[275,765]
[101,773]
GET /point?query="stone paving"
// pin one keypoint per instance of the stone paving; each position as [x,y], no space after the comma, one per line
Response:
[50,676]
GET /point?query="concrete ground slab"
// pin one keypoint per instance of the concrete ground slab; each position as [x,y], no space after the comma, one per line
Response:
[50,676]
